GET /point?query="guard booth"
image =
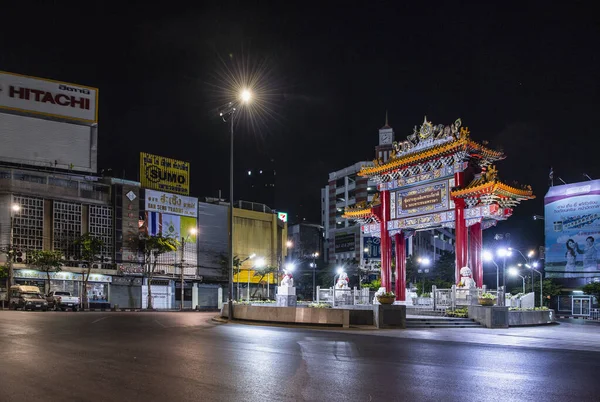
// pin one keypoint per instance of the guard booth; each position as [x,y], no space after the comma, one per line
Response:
[575,306]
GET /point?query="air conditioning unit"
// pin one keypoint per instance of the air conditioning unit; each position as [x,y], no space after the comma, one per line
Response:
[96,266]
[20,257]
[162,272]
[82,265]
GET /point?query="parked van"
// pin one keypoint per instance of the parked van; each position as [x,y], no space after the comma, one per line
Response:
[27,298]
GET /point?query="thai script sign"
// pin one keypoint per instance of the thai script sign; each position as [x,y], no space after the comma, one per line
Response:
[165,174]
[422,199]
[344,243]
[172,204]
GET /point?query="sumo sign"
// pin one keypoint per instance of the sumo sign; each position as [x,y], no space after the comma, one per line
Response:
[164,174]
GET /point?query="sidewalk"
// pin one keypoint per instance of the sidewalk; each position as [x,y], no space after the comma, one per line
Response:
[570,334]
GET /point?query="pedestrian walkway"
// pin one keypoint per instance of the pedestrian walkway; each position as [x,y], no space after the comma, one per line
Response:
[568,334]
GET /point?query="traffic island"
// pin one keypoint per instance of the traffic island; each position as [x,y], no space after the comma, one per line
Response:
[290,315]
[490,316]
[389,315]
[522,318]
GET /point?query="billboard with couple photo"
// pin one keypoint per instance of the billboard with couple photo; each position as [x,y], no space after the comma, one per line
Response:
[572,226]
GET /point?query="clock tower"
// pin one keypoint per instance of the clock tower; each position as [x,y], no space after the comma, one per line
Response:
[386,139]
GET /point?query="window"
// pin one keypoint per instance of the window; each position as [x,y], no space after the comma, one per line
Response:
[101,226]
[28,223]
[67,227]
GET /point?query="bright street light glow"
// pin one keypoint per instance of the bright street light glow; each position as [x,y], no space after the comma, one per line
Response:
[487,256]
[535,264]
[289,267]
[16,207]
[512,271]
[289,244]
[366,250]
[425,261]
[251,256]
[528,266]
[502,252]
[260,263]
[245,96]
[193,231]
[340,270]
[316,254]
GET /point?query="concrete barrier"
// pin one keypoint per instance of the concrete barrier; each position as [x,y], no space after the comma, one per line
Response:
[290,315]
[490,316]
[524,318]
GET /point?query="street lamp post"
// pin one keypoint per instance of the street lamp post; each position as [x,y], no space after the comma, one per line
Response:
[503,252]
[259,264]
[423,262]
[527,259]
[251,256]
[532,267]
[193,232]
[15,208]
[245,97]
[487,256]
[314,267]
[515,272]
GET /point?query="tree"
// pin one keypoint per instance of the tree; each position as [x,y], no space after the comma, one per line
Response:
[153,247]
[444,269]
[551,289]
[46,261]
[90,248]
[591,289]
[262,272]
[411,269]
[224,263]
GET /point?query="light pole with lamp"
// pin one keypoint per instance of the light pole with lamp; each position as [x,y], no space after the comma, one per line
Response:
[313,265]
[14,209]
[532,267]
[503,252]
[512,271]
[487,256]
[251,256]
[425,262]
[244,97]
[193,232]
[260,263]
[527,259]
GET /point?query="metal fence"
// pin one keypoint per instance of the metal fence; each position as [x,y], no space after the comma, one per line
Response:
[594,314]
[345,297]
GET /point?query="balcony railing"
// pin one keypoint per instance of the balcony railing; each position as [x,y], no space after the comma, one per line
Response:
[51,185]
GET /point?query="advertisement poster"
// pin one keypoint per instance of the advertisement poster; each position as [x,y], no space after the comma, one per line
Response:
[572,226]
[164,174]
[344,242]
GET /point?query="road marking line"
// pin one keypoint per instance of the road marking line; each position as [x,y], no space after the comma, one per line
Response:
[159,323]
[100,319]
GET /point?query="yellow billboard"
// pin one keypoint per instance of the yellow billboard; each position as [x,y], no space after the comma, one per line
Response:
[164,174]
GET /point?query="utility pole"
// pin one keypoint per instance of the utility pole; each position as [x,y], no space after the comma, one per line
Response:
[182,260]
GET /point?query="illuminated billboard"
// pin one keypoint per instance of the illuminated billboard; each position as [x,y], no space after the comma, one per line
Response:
[572,227]
[164,174]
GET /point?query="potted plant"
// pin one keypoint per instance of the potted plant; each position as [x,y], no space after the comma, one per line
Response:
[487,299]
[386,298]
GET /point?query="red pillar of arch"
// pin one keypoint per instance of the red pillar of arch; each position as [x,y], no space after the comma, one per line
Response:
[460,228]
[386,243]
[475,250]
[400,289]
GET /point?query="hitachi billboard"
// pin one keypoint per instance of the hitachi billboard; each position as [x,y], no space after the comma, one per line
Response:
[48,98]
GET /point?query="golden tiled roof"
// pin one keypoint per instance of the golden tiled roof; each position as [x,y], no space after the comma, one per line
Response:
[431,153]
[476,187]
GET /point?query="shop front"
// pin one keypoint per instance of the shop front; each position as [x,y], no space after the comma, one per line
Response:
[65,281]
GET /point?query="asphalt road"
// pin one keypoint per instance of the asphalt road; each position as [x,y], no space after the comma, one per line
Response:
[95,357]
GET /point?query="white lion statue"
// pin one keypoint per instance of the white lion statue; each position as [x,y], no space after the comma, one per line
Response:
[465,278]
[287,280]
[342,282]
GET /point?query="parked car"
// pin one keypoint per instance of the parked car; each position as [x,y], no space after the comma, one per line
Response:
[62,300]
[27,298]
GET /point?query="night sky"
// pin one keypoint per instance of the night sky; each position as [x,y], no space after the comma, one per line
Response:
[523,76]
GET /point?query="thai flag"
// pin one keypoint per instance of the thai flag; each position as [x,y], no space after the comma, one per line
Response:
[154,223]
